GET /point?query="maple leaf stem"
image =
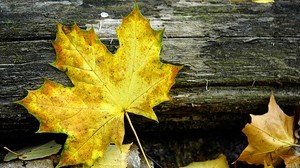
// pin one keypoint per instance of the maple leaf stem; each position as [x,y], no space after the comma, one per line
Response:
[137,138]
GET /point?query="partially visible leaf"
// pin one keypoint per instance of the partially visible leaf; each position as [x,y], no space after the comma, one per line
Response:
[269,136]
[291,161]
[35,152]
[263,1]
[219,162]
[113,157]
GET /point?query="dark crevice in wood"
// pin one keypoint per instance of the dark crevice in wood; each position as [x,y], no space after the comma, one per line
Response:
[26,39]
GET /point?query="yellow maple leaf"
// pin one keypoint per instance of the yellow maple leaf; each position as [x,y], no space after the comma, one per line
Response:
[219,162]
[106,86]
[269,136]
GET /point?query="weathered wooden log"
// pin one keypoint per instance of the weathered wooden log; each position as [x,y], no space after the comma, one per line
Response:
[234,56]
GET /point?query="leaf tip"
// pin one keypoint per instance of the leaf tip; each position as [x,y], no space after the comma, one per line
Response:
[272,98]
[136,8]
[136,4]
[59,28]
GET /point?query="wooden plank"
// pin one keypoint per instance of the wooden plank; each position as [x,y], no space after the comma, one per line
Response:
[221,62]
[36,20]
[241,51]
[201,85]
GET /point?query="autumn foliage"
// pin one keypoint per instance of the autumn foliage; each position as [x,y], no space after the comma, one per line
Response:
[106,87]
[270,137]
[271,140]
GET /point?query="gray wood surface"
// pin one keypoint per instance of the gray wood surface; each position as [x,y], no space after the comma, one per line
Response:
[235,55]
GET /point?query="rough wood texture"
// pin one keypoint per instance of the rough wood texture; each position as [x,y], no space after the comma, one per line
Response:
[234,54]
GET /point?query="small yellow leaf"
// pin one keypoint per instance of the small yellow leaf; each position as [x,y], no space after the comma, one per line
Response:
[219,162]
[113,157]
[263,1]
[269,136]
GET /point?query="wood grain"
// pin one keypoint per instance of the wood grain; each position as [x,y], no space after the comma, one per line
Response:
[235,55]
